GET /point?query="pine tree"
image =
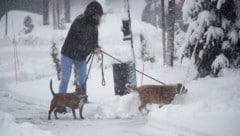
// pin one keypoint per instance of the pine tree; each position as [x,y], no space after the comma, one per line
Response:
[212,29]
[58,17]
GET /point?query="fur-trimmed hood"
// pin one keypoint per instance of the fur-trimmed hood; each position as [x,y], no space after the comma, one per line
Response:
[93,8]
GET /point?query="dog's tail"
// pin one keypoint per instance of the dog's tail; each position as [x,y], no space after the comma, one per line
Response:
[131,87]
[51,88]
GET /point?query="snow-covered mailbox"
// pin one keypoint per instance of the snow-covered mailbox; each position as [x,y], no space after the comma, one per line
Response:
[123,73]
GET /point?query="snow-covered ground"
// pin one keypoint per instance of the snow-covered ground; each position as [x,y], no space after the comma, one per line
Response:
[211,107]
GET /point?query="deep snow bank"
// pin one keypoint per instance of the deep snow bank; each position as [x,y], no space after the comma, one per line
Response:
[211,107]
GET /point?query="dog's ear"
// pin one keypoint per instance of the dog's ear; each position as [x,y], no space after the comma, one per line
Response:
[79,88]
[180,86]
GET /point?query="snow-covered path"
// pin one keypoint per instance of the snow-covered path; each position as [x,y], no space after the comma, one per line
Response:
[36,114]
[26,102]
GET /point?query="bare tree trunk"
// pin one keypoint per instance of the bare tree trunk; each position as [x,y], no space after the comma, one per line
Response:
[163,32]
[238,8]
[6,18]
[170,40]
[58,17]
[67,11]
[45,12]
[58,12]
[54,3]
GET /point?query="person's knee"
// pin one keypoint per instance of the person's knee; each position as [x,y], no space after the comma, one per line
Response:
[64,79]
[63,86]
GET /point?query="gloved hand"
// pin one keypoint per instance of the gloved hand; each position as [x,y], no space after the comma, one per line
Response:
[97,50]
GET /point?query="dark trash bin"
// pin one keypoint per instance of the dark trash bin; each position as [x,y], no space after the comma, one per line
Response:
[123,73]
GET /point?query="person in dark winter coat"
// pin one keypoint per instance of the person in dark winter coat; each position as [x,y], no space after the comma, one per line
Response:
[81,40]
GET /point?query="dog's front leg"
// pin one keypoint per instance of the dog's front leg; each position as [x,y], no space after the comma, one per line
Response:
[80,106]
[52,107]
[49,114]
[80,112]
[55,114]
[143,105]
[74,114]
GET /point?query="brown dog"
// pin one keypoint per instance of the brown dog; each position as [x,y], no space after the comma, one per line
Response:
[72,100]
[156,94]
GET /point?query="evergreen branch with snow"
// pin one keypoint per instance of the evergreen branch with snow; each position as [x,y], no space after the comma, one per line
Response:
[213,24]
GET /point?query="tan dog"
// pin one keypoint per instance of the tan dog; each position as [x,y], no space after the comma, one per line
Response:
[72,100]
[156,94]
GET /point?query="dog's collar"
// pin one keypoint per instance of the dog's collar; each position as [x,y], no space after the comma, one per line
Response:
[81,96]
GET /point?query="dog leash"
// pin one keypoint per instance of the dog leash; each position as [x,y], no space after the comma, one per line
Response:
[91,57]
[103,79]
[134,68]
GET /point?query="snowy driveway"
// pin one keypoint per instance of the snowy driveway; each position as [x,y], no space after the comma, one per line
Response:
[28,100]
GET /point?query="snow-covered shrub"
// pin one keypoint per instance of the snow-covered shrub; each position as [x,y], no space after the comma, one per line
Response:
[219,63]
[214,30]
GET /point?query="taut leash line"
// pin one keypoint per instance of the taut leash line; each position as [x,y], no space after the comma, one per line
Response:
[134,68]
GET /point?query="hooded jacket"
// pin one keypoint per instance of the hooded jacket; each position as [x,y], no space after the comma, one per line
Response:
[82,37]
